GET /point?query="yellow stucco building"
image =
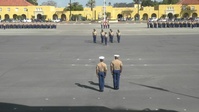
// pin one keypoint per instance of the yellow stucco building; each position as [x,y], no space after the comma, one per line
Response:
[21,9]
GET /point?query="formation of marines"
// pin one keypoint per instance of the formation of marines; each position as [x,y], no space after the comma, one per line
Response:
[36,25]
[173,24]
[105,24]
[106,36]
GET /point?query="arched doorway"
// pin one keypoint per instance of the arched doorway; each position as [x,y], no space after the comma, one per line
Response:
[145,16]
[14,16]
[23,16]
[63,17]
[185,15]
[7,17]
[119,17]
[170,15]
[39,16]
[194,15]
[55,17]
[136,17]
[153,15]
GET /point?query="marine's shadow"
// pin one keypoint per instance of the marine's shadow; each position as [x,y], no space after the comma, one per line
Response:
[165,90]
[97,84]
[88,41]
[98,42]
[86,87]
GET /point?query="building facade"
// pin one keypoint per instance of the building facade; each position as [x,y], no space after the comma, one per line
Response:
[21,9]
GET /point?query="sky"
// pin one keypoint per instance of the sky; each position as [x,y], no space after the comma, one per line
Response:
[63,3]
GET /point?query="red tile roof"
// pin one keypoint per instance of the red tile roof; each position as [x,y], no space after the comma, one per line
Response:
[187,2]
[15,3]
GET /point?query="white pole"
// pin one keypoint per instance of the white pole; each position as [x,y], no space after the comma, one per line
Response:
[104,10]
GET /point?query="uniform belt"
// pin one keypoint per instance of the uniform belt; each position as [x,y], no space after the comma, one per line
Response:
[115,69]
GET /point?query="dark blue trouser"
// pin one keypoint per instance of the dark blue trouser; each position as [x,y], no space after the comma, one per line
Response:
[101,76]
[105,40]
[118,39]
[102,39]
[94,38]
[111,39]
[116,79]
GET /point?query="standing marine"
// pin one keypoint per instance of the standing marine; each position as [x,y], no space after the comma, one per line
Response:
[102,36]
[106,38]
[116,70]
[111,35]
[118,36]
[94,35]
[101,70]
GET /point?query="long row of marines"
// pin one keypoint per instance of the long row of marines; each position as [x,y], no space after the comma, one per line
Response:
[172,24]
[37,25]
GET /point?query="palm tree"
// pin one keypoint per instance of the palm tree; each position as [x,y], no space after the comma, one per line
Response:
[109,3]
[137,1]
[91,4]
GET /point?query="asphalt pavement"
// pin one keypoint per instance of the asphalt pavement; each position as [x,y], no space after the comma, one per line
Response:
[48,70]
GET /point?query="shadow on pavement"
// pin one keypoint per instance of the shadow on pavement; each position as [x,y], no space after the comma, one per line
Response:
[8,107]
[97,84]
[162,89]
[87,87]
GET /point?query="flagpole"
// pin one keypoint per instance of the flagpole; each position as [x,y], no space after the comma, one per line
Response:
[104,10]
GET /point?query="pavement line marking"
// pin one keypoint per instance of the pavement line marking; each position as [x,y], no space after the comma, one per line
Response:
[141,65]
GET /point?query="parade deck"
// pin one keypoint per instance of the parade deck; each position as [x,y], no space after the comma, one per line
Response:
[53,70]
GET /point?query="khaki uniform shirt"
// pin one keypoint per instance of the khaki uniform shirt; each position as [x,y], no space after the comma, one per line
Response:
[111,33]
[106,35]
[101,67]
[116,64]
[94,33]
[118,33]
[102,33]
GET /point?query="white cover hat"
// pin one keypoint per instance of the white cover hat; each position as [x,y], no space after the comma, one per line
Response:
[116,55]
[101,57]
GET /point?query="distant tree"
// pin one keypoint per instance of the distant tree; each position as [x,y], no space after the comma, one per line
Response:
[91,4]
[74,7]
[49,3]
[137,1]
[34,2]
[170,1]
[108,14]
[109,3]
[123,5]
[147,3]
